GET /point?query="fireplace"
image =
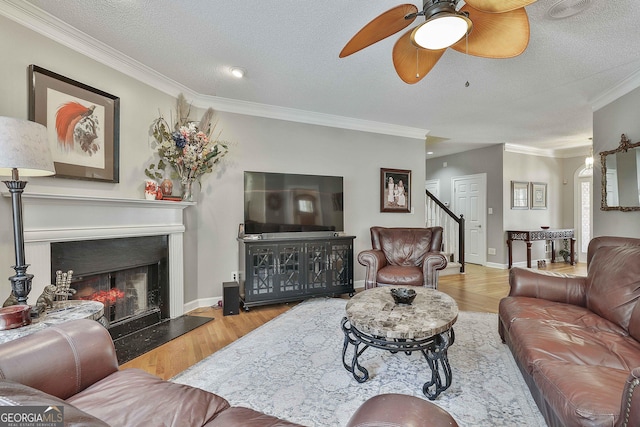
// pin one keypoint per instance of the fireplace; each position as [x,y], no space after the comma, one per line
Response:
[128,275]
[50,219]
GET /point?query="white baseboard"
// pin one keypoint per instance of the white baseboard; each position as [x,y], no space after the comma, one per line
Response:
[213,301]
[497,265]
[200,303]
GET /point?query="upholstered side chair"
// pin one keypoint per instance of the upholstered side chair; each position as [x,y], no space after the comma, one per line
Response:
[403,256]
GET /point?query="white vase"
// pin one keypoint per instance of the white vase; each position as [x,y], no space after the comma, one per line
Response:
[150,189]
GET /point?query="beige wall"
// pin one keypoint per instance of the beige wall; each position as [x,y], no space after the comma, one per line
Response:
[211,250]
[609,122]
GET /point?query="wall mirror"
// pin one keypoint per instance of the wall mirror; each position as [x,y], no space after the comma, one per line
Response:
[621,177]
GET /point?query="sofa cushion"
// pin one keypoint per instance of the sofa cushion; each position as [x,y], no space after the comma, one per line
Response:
[134,397]
[534,340]
[512,308]
[405,246]
[581,395]
[613,283]
[395,275]
[16,394]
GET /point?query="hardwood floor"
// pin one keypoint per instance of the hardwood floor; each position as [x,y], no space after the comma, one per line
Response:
[480,289]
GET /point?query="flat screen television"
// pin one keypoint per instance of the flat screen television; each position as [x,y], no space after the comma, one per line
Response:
[284,202]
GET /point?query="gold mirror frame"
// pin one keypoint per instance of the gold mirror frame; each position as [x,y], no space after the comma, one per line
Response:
[625,145]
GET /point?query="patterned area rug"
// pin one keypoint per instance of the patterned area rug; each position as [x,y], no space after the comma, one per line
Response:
[291,367]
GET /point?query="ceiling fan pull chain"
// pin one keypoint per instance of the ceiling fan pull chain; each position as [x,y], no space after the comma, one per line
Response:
[417,69]
[466,43]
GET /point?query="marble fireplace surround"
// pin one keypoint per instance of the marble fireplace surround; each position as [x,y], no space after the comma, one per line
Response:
[52,218]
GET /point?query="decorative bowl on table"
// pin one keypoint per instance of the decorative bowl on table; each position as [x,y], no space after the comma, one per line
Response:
[544,227]
[403,295]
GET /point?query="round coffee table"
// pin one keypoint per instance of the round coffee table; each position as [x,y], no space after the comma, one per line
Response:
[373,319]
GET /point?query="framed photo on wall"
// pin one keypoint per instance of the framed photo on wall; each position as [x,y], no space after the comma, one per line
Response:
[83,125]
[519,195]
[538,195]
[395,190]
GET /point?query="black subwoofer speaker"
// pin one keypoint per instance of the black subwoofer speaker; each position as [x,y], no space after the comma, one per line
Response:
[230,298]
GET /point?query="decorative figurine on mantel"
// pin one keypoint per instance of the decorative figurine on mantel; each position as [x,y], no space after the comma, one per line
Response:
[63,285]
[45,300]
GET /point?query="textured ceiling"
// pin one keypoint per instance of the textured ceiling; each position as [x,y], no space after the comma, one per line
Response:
[542,99]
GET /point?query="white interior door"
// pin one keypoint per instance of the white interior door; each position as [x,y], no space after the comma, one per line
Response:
[470,200]
[433,185]
[583,213]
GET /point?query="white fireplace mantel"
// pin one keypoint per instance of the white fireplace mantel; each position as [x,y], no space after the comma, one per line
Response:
[49,218]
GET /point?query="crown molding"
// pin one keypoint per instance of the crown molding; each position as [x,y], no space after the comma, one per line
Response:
[564,153]
[624,87]
[532,151]
[308,117]
[53,28]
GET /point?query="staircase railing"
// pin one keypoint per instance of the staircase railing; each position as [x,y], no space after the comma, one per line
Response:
[453,226]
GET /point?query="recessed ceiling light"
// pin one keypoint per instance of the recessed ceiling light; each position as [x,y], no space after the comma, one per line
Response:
[237,72]
[429,152]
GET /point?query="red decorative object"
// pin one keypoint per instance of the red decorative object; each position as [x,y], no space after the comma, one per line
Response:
[15,316]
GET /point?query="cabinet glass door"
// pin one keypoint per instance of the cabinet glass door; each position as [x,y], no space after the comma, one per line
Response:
[260,281]
[340,274]
[316,266]
[289,259]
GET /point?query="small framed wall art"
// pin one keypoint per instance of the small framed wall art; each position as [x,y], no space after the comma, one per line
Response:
[82,123]
[538,195]
[519,195]
[395,190]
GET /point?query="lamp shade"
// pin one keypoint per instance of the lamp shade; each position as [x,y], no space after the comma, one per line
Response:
[24,146]
[441,31]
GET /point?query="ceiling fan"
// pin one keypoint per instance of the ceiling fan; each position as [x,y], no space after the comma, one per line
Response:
[486,28]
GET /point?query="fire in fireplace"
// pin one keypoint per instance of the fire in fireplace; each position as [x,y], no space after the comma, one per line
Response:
[128,275]
[125,293]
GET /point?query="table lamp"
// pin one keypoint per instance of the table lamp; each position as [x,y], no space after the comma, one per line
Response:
[24,150]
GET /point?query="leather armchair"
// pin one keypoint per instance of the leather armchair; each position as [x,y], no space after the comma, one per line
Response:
[403,256]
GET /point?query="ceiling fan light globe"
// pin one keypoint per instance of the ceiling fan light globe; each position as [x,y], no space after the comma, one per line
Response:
[441,31]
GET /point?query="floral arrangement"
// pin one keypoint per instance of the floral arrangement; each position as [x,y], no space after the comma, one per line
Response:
[189,147]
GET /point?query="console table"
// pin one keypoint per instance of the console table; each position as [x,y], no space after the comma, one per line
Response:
[292,269]
[529,236]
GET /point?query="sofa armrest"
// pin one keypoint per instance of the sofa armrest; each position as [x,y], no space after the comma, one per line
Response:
[558,287]
[373,260]
[630,407]
[433,262]
[60,360]
[15,394]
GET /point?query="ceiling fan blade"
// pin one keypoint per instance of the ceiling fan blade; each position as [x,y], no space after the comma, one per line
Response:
[498,6]
[383,26]
[413,63]
[495,35]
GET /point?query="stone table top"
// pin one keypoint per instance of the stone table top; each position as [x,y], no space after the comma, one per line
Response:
[61,312]
[374,312]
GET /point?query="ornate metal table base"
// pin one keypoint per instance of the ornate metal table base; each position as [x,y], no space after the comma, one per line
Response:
[434,350]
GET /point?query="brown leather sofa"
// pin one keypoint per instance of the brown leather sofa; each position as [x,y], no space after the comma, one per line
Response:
[576,339]
[403,256]
[74,365]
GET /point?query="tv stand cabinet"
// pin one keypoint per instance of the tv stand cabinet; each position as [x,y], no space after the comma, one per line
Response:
[291,269]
